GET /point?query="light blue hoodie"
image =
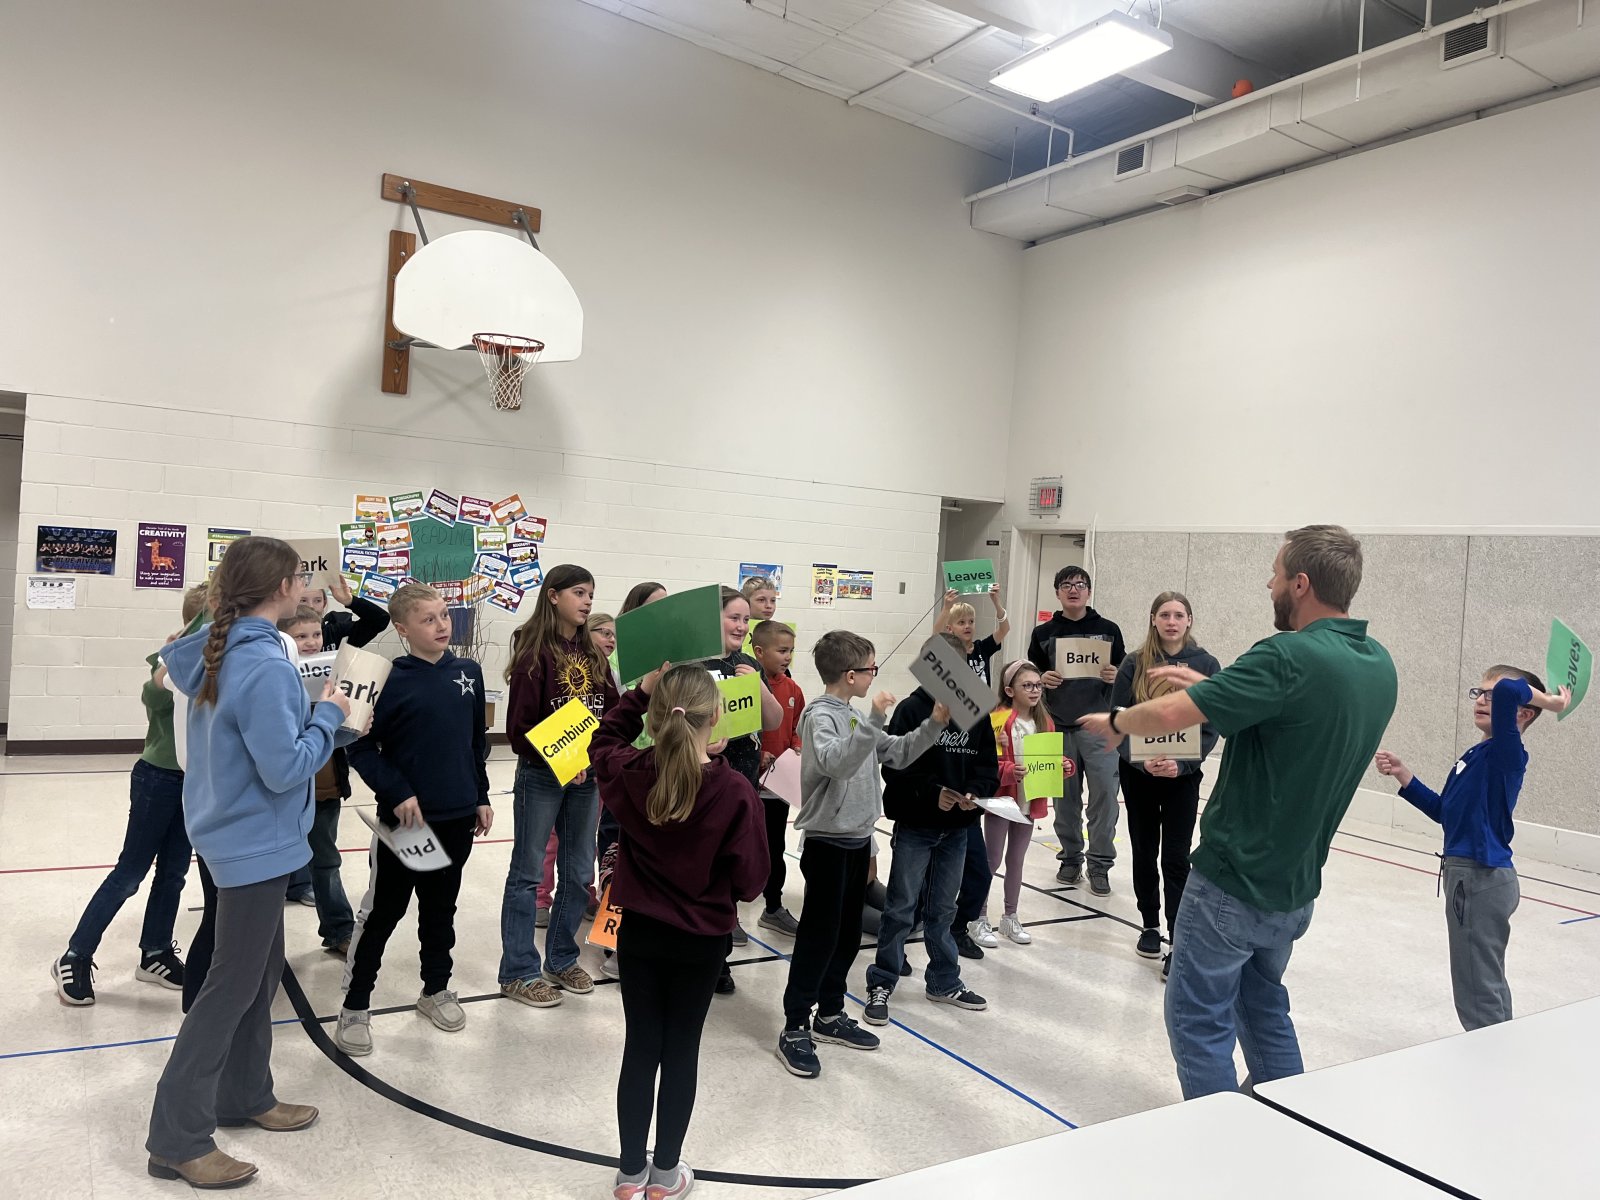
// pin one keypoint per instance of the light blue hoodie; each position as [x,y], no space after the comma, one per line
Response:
[247,795]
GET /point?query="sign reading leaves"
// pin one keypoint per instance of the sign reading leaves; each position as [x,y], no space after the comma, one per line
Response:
[1568,663]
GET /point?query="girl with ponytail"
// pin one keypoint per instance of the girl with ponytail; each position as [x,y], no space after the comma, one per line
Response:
[255,743]
[694,846]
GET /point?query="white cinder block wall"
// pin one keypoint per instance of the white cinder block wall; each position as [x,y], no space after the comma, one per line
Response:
[78,673]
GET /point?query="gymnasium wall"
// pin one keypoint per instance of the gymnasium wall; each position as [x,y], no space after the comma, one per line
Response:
[788,317]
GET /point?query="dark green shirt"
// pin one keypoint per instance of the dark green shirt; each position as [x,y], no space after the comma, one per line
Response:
[1303,714]
[159,750]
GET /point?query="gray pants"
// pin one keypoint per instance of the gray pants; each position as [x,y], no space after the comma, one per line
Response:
[221,1063]
[1478,903]
[1099,763]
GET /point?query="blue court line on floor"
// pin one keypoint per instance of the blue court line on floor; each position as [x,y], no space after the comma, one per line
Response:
[113,1045]
[1580,920]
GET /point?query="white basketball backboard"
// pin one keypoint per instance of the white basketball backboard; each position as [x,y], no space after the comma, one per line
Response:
[483,282]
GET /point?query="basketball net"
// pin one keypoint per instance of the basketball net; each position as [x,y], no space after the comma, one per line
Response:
[506,360]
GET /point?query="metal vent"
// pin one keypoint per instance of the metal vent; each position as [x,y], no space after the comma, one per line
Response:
[1468,43]
[1132,160]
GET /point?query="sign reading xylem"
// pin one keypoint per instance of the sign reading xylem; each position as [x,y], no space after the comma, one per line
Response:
[1568,663]
[562,739]
[741,706]
[1042,764]
[1182,746]
[943,670]
[1081,658]
[969,576]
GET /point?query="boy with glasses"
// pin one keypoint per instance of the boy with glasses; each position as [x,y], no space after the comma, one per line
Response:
[840,803]
[1480,884]
[1069,701]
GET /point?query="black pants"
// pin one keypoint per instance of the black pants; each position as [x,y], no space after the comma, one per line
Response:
[204,942]
[667,981]
[777,813]
[829,937]
[975,881]
[392,885]
[1161,815]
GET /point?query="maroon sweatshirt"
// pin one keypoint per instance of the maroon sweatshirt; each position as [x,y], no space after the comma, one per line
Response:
[688,874]
[563,672]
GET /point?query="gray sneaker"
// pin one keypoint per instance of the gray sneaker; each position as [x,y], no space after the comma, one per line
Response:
[610,967]
[541,918]
[782,921]
[1099,883]
[353,1034]
[740,937]
[1069,876]
[444,1010]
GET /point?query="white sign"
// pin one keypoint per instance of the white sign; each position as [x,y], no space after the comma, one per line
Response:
[315,671]
[360,675]
[1003,806]
[783,778]
[1081,658]
[943,670]
[1182,746]
[45,591]
[417,847]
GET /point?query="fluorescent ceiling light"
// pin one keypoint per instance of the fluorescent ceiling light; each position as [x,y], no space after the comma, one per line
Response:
[1105,47]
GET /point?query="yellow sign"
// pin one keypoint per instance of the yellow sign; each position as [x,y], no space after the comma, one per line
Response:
[562,739]
[603,931]
[741,706]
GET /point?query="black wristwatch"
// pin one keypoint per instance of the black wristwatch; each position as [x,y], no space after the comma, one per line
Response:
[1114,713]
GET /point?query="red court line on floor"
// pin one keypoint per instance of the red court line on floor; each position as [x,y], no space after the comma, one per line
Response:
[1434,874]
[108,866]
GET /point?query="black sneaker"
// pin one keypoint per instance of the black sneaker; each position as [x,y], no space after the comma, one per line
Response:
[1069,876]
[1166,966]
[960,998]
[965,946]
[163,968]
[840,1030]
[877,1006]
[74,978]
[725,986]
[798,1054]
[905,967]
[1099,883]
[1149,944]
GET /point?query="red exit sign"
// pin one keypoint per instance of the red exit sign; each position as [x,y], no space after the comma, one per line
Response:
[1046,495]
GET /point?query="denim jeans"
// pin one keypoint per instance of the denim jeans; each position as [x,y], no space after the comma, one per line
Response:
[155,835]
[540,804]
[1098,762]
[931,858]
[335,921]
[1226,986]
[300,884]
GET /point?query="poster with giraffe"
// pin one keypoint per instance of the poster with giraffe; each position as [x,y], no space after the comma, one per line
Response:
[160,559]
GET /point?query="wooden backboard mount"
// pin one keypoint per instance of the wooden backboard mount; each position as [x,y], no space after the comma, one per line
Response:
[434,198]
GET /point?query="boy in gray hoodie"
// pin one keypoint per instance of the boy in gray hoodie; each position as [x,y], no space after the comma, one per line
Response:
[841,801]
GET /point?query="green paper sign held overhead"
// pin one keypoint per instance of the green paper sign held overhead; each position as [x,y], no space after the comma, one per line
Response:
[969,576]
[1568,663]
[685,627]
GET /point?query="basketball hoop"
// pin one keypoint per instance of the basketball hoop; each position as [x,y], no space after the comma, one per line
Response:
[506,359]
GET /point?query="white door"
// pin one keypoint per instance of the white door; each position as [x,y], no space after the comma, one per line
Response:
[1056,550]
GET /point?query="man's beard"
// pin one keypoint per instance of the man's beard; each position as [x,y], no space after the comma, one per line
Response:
[1281,613]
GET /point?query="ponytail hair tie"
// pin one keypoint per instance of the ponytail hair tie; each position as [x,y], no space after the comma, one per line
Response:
[680,712]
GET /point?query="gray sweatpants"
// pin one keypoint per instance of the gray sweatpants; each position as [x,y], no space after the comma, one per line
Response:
[1478,903]
[1099,763]
[221,1063]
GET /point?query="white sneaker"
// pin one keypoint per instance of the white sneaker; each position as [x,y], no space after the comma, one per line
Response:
[1011,926]
[983,933]
[353,1034]
[610,968]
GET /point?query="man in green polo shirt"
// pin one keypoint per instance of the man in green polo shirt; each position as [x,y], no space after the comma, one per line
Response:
[1303,713]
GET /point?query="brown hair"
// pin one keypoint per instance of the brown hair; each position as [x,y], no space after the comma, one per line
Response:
[1330,559]
[539,632]
[838,652]
[729,595]
[250,574]
[1151,654]
[194,602]
[685,699]
[1502,671]
[407,596]
[767,632]
[1040,714]
[301,615]
[638,594]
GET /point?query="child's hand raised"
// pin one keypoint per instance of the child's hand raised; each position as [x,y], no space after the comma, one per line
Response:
[340,588]
[1556,702]
[882,703]
[647,685]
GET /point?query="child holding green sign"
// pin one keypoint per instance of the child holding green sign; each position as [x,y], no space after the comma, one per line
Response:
[1480,884]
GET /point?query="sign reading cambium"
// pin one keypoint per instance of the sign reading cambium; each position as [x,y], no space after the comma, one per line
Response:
[943,670]
[1081,658]
[562,739]
[1182,746]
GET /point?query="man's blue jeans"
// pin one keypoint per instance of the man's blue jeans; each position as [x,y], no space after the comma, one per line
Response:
[1226,986]
[540,804]
[931,859]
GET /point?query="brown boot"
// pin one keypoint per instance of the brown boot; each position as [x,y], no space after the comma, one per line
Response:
[214,1170]
[280,1118]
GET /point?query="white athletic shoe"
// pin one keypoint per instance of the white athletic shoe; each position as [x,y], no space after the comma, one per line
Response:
[1011,926]
[983,933]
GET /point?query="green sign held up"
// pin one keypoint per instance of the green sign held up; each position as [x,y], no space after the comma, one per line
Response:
[969,576]
[741,706]
[1043,777]
[1568,663]
[684,627]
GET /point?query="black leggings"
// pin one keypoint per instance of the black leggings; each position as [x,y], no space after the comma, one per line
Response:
[776,811]
[198,964]
[667,981]
[1161,815]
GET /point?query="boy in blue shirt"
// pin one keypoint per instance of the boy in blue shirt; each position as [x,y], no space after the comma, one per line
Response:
[1475,809]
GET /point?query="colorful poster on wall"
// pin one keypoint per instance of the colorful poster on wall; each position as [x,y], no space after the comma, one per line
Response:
[442,507]
[510,510]
[521,551]
[476,512]
[768,571]
[407,506]
[495,566]
[824,579]
[530,528]
[159,561]
[358,560]
[854,585]
[506,596]
[372,508]
[526,575]
[358,533]
[490,539]
[66,550]
[394,562]
[217,543]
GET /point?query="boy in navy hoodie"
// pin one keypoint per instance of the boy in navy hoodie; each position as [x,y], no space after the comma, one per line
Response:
[424,759]
[1480,884]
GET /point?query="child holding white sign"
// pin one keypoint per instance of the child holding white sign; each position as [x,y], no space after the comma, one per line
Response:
[1161,793]
[424,760]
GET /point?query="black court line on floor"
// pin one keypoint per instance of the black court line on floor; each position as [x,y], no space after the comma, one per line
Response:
[1396,1164]
[1430,854]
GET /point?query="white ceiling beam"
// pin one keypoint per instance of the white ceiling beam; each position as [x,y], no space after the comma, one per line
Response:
[1198,71]
[977,35]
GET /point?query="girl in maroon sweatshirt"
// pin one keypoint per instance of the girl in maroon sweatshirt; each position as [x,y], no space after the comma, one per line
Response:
[694,845]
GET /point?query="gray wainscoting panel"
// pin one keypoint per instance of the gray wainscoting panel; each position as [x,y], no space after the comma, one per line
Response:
[1132,569]
[1228,576]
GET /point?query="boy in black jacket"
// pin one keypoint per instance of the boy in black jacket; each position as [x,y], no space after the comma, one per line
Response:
[424,759]
[932,803]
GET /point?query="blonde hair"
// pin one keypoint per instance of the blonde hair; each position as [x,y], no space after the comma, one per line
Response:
[963,609]
[757,583]
[1151,654]
[686,699]
[252,572]
[407,597]
[194,602]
